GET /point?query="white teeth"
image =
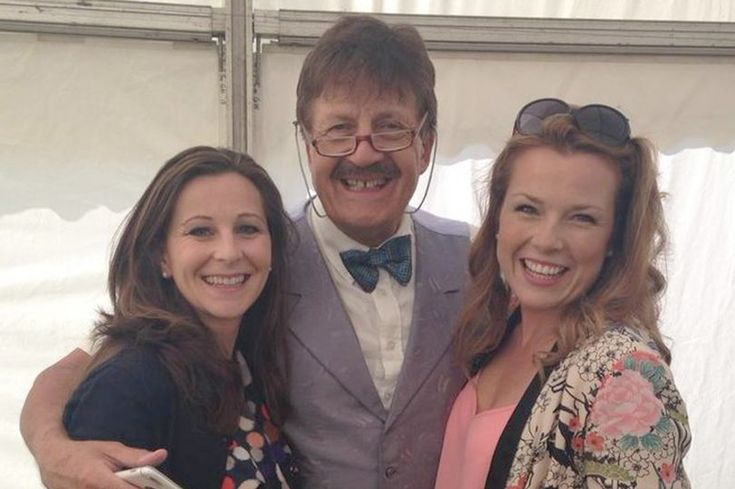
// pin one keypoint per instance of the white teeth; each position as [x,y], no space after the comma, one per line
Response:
[361,184]
[221,280]
[547,270]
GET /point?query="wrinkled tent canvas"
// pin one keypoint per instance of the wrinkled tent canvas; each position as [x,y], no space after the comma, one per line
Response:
[86,121]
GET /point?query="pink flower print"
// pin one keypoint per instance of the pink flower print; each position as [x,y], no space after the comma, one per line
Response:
[626,405]
[595,442]
[640,356]
[520,483]
[667,472]
[619,365]
[574,423]
[578,443]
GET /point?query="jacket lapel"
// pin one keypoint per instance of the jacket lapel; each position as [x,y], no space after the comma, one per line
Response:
[508,443]
[321,325]
[507,446]
[438,296]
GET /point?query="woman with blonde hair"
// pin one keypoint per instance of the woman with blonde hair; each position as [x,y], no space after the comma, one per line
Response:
[570,385]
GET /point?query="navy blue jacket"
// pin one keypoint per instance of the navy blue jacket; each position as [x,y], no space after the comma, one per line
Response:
[132,399]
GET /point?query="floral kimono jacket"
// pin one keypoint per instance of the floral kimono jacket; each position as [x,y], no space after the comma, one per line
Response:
[608,417]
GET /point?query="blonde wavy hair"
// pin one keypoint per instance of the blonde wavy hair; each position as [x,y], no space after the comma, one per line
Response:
[630,284]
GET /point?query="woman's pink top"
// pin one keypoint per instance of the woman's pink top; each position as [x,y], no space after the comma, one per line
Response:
[469,441]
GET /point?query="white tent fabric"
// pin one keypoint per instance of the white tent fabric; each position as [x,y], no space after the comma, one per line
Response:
[86,122]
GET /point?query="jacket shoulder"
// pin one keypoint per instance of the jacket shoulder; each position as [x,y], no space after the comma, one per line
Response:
[442,225]
[129,398]
[604,353]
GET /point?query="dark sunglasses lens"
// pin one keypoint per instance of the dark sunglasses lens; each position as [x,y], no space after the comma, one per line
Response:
[603,124]
[531,117]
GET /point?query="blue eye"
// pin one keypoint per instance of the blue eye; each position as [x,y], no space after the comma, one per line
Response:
[199,232]
[339,130]
[390,126]
[586,218]
[526,209]
[247,229]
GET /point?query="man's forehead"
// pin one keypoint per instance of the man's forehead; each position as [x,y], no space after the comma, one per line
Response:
[353,101]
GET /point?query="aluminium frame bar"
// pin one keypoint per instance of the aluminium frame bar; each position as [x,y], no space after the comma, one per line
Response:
[524,35]
[177,22]
[105,18]
[239,73]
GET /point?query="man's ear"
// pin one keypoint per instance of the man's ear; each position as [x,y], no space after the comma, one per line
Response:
[307,146]
[307,150]
[427,143]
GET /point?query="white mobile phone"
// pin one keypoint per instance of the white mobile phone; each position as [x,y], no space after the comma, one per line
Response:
[147,478]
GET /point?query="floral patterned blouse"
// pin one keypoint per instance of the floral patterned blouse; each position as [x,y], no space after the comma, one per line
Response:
[608,416]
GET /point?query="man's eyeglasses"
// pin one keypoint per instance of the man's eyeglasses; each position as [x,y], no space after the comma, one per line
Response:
[384,141]
[600,122]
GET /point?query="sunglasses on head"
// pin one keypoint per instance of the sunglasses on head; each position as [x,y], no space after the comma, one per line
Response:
[600,122]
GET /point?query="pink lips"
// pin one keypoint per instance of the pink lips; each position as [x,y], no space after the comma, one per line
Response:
[543,279]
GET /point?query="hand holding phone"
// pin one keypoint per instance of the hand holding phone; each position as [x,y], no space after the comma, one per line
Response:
[147,477]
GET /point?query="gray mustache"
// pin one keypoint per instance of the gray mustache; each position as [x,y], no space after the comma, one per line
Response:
[345,169]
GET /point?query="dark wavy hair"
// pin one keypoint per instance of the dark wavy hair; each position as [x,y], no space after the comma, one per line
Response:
[630,284]
[149,311]
[360,48]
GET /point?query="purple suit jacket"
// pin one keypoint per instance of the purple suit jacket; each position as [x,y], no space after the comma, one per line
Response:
[342,435]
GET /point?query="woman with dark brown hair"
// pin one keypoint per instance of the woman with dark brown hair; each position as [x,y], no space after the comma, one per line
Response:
[570,385]
[190,357]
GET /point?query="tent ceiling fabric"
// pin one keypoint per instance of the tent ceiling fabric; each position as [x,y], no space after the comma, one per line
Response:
[73,106]
[668,99]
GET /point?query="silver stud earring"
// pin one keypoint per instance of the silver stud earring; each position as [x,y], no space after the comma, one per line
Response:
[165,274]
[609,253]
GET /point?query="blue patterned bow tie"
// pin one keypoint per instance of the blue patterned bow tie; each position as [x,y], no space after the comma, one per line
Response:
[394,256]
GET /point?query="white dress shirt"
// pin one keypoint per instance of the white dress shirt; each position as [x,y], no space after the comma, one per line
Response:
[381,319]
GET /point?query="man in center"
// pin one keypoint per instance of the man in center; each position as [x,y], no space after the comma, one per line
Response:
[375,285]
